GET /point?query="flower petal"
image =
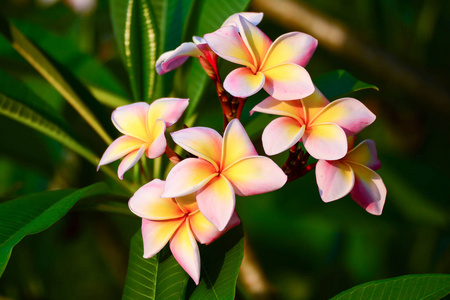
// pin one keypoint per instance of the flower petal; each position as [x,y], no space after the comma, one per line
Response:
[236,144]
[334,179]
[292,47]
[185,250]
[188,203]
[188,176]
[281,134]
[313,104]
[168,109]
[131,120]
[256,41]
[288,82]
[119,148]
[369,190]
[203,142]
[252,17]
[156,234]
[325,141]
[130,160]
[350,114]
[228,44]
[272,106]
[255,175]
[365,154]
[148,204]
[242,83]
[216,201]
[159,143]
[205,232]
[173,59]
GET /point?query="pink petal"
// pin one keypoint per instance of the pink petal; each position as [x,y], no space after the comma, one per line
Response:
[281,134]
[313,104]
[236,144]
[205,232]
[369,190]
[254,175]
[242,83]
[288,82]
[130,160]
[131,120]
[256,41]
[188,176]
[159,143]
[148,204]
[156,234]
[365,154]
[216,201]
[293,47]
[185,250]
[273,106]
[119,148]
[203,142]
[334,179]
[173,59]
[252,17]
[228,44]
[168,109]
[350,114]
[325,141]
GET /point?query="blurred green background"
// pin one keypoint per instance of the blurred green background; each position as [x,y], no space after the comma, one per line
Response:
[308,249]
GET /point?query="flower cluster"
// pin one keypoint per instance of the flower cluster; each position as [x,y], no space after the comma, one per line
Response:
[196,202]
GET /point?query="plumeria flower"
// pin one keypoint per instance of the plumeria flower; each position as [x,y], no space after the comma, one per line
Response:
[173,59]
[321,125]
[353,174]
[177,221]
[143,126]
[224,166]
[277,67]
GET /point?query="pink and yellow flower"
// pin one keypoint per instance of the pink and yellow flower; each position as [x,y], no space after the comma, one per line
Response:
[277,67]
[177,221]
[354,174]
[224,166]
[143,128]
[321,125]
[171,60]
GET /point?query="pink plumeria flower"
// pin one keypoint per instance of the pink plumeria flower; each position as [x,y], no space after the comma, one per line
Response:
[277,67]
[177,221]
[224,166]
[173,59]
[321,125]
[354,174]
[143,126]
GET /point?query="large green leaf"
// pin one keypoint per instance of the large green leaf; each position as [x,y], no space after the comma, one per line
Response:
[159,277]
[136,32]
[206,16]
[34,213]
[220,267]
[411,287]
[338,83]
[61,79]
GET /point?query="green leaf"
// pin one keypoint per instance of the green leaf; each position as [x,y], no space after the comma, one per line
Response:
[159,277]
[338,83]
[34,213]
[206,16]
[412,287]
[60,78]
[135,29]
[221,261]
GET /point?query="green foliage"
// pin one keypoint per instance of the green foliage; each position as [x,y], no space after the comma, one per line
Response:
[412,287]
[34,213]
[338,83]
